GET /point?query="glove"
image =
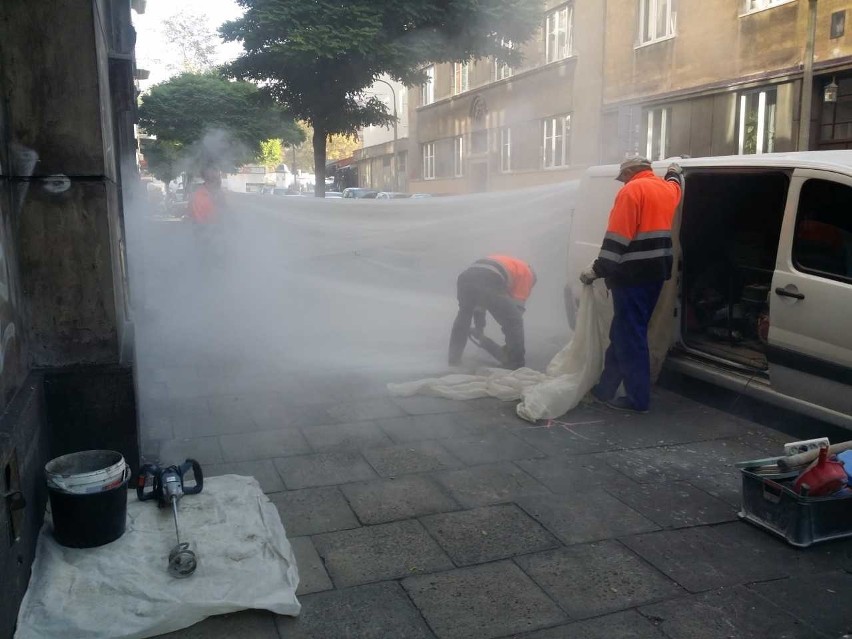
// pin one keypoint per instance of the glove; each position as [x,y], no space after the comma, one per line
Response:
[674,169]
[588,275]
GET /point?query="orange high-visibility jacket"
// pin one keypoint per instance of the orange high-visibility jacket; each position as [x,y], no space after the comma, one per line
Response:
[202,208]
[518,275]
[637,247]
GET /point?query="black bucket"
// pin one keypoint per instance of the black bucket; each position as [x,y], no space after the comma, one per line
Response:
[88,520]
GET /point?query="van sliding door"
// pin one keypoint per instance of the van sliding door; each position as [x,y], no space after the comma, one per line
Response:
[810,340]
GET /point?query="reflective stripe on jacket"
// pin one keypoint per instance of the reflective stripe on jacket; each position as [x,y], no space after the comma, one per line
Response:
[517,274]
[637,247]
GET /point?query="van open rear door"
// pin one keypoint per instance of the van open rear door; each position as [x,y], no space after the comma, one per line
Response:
[810,340]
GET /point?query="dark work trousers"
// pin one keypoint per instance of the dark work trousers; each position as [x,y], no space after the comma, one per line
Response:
[627,358]
[481,290]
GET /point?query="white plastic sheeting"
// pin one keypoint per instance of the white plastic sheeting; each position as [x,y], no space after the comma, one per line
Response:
[301,286]
[123,591]
[570,374]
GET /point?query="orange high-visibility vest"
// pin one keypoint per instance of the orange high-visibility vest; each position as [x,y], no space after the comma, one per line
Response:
[519,276]
[202,208]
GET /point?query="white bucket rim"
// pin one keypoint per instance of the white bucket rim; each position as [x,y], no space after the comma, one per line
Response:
[88,481]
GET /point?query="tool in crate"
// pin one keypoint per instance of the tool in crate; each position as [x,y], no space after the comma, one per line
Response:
[802,496]
[167,486]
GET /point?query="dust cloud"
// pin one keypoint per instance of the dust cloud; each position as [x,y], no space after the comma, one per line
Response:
[295,286]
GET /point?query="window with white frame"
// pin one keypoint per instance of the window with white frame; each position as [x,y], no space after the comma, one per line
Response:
[461,77]
[505,149]
[756,121]
[429,161]
[559,34]
[750,6]
[501,69]
[657,136]
[656,20]
[557,141]
[427,89]
[458,156]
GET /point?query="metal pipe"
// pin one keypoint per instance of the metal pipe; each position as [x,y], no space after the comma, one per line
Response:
[808,80]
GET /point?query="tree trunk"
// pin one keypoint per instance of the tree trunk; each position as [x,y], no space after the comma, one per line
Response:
[319,141]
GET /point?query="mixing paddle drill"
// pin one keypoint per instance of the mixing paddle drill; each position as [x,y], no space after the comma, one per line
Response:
[167,487]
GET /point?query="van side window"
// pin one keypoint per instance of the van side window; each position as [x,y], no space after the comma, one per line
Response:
[822,244]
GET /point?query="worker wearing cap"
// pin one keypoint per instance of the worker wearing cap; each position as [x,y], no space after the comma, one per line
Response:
[635,260]
[500,285]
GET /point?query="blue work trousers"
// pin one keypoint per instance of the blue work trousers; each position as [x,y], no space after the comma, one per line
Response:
[627,358]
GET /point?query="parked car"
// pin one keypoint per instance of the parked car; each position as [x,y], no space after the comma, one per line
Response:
[392,195]
[359,194]
[762,277]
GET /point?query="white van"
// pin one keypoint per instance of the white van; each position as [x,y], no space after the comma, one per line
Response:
[763,271]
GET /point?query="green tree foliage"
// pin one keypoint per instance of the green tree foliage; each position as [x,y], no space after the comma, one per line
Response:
[318,57]
[163,159]
[207,119]
[271,152]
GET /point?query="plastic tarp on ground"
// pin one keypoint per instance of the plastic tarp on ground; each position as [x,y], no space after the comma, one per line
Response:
[570,374]
[123,591]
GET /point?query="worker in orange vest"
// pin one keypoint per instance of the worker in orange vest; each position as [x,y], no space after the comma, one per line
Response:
[206,199]
[635,259]
[500,285]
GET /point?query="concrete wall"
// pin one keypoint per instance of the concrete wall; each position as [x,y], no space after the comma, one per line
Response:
[67,163]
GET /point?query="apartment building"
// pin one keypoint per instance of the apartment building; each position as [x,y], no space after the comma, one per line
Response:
[484,126]
[607,79]
[720,77]
[381,161]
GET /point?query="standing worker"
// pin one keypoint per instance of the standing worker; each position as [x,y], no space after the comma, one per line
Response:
[205,201]
[635,259]
[500,285]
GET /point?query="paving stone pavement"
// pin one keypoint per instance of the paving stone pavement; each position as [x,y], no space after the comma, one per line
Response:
[427,518]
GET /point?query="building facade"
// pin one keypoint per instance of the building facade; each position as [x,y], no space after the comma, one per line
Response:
[482,125]
[381,162]
[722,77]
[607,79]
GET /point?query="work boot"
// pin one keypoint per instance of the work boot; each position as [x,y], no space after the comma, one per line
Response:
[625,405]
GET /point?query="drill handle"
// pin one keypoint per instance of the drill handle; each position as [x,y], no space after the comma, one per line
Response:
[197,474]
[148,471]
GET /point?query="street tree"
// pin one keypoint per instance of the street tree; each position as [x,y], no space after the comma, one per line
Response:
[301,156]
[191,41]
[317,58]
[271,153]
[207,119]
[162,159]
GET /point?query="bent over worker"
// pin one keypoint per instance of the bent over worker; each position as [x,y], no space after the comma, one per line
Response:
[635,259]
[500,285]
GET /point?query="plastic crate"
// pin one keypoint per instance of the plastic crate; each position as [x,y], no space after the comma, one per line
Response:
[802,521]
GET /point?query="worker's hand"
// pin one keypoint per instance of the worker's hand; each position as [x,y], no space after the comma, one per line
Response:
[588,275]
[674,169]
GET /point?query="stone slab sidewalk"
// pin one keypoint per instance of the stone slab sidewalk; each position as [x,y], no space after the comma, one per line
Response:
[424,518]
